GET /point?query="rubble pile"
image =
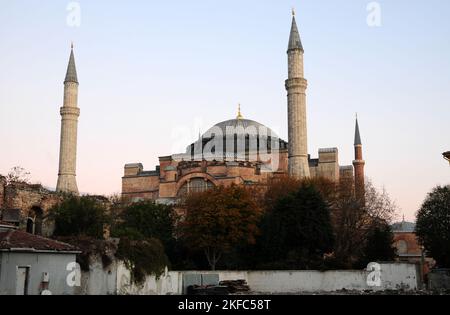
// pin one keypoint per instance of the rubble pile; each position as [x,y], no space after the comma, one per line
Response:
[236,286]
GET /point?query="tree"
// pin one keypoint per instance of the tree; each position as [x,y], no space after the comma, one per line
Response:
[143,257]
[80,216]
[147,219]
[379,245]
[17,175]
[433,225]
[297,232]
[353,221]
[219,220]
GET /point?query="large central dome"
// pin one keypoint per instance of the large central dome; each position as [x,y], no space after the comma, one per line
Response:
[240,127]
[255,136]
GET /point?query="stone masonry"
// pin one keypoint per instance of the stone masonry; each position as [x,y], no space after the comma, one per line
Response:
[69,128]
[296,86]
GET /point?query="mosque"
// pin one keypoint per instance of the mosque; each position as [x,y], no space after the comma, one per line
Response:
[243,151]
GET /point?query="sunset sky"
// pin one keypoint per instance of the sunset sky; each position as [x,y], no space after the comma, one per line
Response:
[153,74]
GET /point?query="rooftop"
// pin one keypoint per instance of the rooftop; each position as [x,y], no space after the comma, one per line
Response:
[13,240]
[404,227]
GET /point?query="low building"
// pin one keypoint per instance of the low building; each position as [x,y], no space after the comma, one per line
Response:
[30,264]
[408,246]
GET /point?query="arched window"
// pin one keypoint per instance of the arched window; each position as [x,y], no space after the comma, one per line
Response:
[402,247]
[195,185]
[30,225]
[34,221]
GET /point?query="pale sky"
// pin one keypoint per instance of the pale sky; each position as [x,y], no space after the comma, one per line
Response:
[154,73]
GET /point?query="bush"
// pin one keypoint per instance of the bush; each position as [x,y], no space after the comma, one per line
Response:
[143,258]
[80,216]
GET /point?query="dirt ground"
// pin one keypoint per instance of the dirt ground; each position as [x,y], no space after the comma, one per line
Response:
[345,292]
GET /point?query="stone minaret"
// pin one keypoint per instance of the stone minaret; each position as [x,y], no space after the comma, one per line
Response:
[70,112]
[358,164]
[296,86]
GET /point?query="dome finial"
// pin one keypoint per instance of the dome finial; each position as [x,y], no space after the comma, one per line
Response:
[239,115]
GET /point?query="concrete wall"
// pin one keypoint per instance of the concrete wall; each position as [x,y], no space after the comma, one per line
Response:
[393,277]
[170,283]
[54,264]
[439,279]
[98,280]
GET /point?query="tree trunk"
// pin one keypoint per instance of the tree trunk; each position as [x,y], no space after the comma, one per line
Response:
[213,257]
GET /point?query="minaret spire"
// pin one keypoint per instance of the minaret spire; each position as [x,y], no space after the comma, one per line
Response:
[294,39]
[71,74]
[359,164]
[69,129]
[357,133]
[296,86]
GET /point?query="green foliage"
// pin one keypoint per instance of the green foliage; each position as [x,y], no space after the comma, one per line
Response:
[143,258]
[147,219]
[91,248]
[433,225]
[379,245]
[298,231]
[146,230]
[80,216]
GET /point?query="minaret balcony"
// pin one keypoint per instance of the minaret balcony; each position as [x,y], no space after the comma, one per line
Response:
[70,111]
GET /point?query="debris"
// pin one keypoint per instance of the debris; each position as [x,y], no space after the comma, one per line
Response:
[236,286]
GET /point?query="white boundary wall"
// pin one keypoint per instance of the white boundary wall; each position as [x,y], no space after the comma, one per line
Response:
[394,276]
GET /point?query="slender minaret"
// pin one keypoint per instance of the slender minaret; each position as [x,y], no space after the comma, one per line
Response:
[358,164]
[296,86]
[70,112]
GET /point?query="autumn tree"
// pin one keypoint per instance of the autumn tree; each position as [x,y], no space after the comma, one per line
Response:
[354,220]
[220,219]
[433,225]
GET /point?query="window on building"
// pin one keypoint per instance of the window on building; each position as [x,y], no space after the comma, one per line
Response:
[195,185]
[402,247]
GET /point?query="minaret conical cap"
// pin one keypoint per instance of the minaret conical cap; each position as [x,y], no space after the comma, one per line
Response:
[71,75]
[357,134]
[294,39]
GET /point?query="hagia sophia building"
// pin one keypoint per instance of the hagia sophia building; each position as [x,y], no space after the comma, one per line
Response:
[243,151]
[239,151]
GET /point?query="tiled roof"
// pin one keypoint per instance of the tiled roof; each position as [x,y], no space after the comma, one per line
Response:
[18,240]
[404,227]
[6,223]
